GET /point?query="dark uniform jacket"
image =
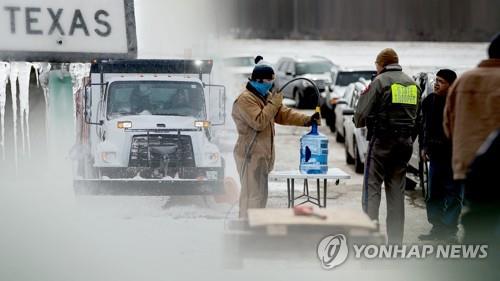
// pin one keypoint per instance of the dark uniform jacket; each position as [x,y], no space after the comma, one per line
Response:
[389,106]
[433,140]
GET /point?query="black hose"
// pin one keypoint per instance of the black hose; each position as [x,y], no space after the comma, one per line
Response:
[250,146]
[302,78]
[249,149]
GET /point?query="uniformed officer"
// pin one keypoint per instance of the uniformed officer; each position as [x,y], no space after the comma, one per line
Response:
[389,109]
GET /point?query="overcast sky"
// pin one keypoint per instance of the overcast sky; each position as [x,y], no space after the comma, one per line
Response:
[172,28]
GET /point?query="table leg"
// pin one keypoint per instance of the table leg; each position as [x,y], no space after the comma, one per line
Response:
[319,193]
[306,187]
[293,192]
[288,191]
[324,193]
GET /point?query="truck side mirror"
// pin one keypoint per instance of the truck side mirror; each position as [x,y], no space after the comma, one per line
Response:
[87,113]
[216,104]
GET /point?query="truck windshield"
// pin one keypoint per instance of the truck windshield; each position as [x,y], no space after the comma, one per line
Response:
[156,98]
[346,78]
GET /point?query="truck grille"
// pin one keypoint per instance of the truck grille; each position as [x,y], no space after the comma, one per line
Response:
[145,150]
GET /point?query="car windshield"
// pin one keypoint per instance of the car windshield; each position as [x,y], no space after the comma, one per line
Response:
[317,67]
[239,62]
[346,78]
[155,98]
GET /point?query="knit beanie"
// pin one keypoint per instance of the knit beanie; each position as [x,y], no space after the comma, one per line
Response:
[387,56]
[262,71]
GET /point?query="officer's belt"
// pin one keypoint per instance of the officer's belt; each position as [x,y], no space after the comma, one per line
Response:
[393,132]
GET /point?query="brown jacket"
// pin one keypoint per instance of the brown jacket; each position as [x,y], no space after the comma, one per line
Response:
[253,113]
[472,112]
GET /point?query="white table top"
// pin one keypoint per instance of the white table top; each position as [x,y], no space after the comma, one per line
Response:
[333,173]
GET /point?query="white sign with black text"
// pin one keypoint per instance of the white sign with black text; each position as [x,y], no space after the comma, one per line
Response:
[65,26]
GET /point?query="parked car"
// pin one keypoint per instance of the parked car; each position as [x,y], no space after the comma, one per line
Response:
[341,104]
[356,145]
[341,80]
[317,69]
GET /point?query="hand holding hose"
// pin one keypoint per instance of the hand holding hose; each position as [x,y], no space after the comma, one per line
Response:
[315,118]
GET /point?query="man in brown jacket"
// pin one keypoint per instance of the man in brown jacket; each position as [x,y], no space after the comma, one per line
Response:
[472,113]
[254,112]
[472,109]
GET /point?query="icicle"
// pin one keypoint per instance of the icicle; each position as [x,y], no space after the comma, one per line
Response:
[24,104]
[14,71]
[43,70]
[4,76]
[78,72]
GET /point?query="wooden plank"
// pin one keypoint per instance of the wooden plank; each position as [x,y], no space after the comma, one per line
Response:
[335,217]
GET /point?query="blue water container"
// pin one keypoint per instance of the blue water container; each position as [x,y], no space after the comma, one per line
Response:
[313,152]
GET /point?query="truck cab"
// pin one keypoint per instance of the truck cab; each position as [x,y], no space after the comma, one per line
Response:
[148,129]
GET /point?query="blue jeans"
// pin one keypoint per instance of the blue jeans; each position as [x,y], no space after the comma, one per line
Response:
[445,197]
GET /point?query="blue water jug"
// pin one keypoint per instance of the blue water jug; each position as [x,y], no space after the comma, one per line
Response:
[313,152]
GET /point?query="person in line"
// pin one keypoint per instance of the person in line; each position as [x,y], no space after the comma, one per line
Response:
[255,111]
[443,199]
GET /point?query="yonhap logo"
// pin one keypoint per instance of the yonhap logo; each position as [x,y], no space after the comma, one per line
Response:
[333,251]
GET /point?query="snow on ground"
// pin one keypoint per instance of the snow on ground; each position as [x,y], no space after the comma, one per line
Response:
[413,56]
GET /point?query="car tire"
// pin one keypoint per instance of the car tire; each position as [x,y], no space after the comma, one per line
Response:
[325,113]
[410,184]
[299,100]
[358,165]
[332,128]
[348,158]
[339,138]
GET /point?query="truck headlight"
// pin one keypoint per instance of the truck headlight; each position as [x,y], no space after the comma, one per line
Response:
[202,124]
[108,157]
[124,124]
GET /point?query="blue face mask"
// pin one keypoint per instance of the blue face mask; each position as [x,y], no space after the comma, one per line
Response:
[263,88]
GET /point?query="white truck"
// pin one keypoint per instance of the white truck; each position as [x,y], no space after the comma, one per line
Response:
[146,129]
